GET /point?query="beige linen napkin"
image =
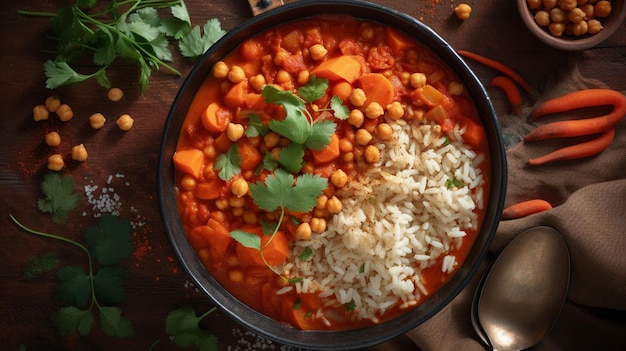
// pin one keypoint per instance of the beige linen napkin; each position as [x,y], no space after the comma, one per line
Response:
[589,198]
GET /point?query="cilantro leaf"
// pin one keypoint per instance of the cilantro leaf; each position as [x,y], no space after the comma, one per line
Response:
[60,73]
[303,196]
[282,191]
[59,196]
[269,162]
[195,44]
[182,325]
[291,157]
[228,163]
[113,323]
[110,240]
[71,320]
[306,254]
[74,287]
[108,283]
[340,110]
[268,228]
[40,264]
[295,126]
[246,239]
[314,89]
[320,134]
[453,182]
[255,126]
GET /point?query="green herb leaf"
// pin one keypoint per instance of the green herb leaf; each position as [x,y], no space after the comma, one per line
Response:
[246,239]
[340,110]
[362,268]
[282,191]
[314,89]
[60,73]
[295,126]
[306,254]
[453,183]
[113,323]
[110,240]
[320,135]
[303,196]
[59,196]
[195,44]
[228,164]
[74,287]
[268,228]
[269,162]
[291,157]
[71,320]
[296,304]
[350,306]
[108,285]
[255,126]
[182,325]
[46,262]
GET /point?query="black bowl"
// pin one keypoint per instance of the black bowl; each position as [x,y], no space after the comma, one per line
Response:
[253,320]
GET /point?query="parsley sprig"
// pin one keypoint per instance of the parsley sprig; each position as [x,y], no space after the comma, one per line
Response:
[132,30]
[101,288]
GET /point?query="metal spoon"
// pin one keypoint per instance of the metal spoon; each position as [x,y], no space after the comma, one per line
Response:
[524,291]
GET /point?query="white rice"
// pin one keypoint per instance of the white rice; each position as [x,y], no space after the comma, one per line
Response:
[398,218]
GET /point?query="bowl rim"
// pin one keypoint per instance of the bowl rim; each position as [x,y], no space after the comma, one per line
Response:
[255,321]
[574,44]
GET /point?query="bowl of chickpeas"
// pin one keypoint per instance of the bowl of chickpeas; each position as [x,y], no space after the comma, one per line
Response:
[572,24]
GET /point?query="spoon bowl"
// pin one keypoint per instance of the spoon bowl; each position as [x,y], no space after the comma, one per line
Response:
[524,291]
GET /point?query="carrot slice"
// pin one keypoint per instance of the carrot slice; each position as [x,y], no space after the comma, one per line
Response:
[209,190]
[190,161]
[251,157]
[328,153]
[275,249]
[341,67]
[216,236]
[236,95]
[397,41]
[377,88]
[213,119]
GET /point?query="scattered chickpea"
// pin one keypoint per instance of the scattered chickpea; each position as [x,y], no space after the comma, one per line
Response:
[52,103]
[357,97]
[455,88]
[97,120]
[317,52]
[236,74]
[371,154]
[234,131]
[417,80]
[188,182]
[384,131]
[64,112]
[339,178]
[79,153]
[362,137]
[239,187]
[303,231]
[334,205]
[356,118]
[55,162]
[53,139]
[115,94]
[318,225]
[40,113]
[374,110]
[463,11]
[220,70]
[125,122]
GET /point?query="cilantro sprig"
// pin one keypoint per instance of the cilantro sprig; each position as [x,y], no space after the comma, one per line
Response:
[183,325]
[99,287]
[131,30]
[59,196]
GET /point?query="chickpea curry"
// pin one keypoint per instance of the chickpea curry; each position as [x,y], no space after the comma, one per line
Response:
[279,127]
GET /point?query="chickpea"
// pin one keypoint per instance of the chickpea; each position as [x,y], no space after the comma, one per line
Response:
[533,4]
[580,28]
[125,122]
[209,151]
[395,110]
[345,145]
[235,275]
[347,157]
[455,88]
[55,162]
[79,153]
[384,131]
[222,204]
[236,74]
[356,118]
[52,103]
[374,110]
[556,29]
[257,82]
[576,15]
[271,140]
[239,187]
[234,131]
[589,10]
[542,18]
[283,77]
[303,231]
[279,57]
[307,168]
[64,112]
[53,139]
[232,260]
[318,52]
[362,137]
[97,120]
[594,26]
[303,77]
[372,154]
[318,225]
[602,9]
[463,11]
[367,33]
[339,178]
[417,80]
[220,70]
[237,202]
[40,113]
[558,15]
[322,200]
[357,97]
[334,205]
[549,4]
[275,153]
[188,182]
[567,5]
[249,217]
[115,94]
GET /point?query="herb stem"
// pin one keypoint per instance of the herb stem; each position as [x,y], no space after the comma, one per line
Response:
[36,13]
[207,313]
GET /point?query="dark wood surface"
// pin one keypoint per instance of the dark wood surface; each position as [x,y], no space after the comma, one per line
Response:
[125,162]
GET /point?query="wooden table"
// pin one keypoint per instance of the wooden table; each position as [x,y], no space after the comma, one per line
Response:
[122,164]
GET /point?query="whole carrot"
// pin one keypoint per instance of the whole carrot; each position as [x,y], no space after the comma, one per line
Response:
[510,89]
[579,99]
[580,150]
[525,208]
[498,66]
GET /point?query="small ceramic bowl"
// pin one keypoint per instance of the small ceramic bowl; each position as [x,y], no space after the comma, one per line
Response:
[570,42]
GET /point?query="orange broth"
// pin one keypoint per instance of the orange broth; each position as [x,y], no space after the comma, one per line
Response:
[204,199]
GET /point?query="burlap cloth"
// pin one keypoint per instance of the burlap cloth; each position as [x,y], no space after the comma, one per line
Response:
[588,197]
